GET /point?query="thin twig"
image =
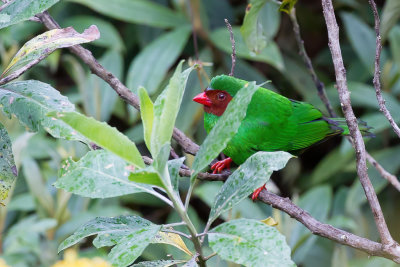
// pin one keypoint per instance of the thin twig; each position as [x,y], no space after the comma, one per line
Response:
[322,95]
[344,95]
[14,75]
[233,55]
[302,51]
[377,73]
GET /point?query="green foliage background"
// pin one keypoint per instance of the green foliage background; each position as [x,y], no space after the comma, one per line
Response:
[141,43]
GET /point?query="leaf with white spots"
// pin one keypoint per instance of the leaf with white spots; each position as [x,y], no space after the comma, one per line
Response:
[30,101]
[252,174]
[225,128]
[250,243]
[129,234]
[44,44]
[159,263]
[102,135]
[8,170]
[99,174]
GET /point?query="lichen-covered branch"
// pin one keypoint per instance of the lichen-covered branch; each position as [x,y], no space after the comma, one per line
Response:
[344,95]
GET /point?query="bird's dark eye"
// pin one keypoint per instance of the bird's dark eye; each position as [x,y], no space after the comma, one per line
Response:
[221,96]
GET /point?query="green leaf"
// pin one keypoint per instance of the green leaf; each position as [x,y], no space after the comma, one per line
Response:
[191,263]
[251,243]
[270,19]
[390,16]
[394,38]
[150,66]
[225,128]
[252,30]
[159,263]
[102,135]
[136,11]
[24,236]
[300,237]
[148,175]
[30,101]
[109,35]
[166,109]
[101,98]
[173,168]
[287,5]
[44,44]
[21,10]
[270,54]
[252,174]
[129,234]
[147,114]
[8,170]
[37,185]
[99,174]
[362,39]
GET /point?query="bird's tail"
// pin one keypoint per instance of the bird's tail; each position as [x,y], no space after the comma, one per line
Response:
[339,124]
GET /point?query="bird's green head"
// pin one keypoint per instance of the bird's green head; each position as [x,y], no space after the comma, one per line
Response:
[217,96]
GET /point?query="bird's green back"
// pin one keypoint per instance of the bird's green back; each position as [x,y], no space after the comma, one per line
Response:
[272,123]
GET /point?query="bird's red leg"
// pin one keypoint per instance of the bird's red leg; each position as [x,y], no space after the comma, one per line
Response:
[257,192]
[221,165]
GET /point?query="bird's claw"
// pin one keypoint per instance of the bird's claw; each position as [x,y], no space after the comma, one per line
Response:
[257,192]
[219,166]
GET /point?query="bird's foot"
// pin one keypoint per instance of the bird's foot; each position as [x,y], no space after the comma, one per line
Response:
[219,166]
[257,192]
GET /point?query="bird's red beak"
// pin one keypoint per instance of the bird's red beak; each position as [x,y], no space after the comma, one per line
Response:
[202,99]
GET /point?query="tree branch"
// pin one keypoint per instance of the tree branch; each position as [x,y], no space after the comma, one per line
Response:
[377,73]
[14,75]
[326,230]
[344,95]
[322,95]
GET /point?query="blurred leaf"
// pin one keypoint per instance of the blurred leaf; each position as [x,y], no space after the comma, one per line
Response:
[102,135]
[270,221]
[372,262]
[30,100]
[252,174]
[24,236]
[173,168]
[100,97]
[21,10]
[171,239]
[287,5]
[109,35]
[150,66]
[136,11]
[42,45]
[361,37]
[301,240]
[159,263]
[356,196]
[270,54]
[129,234]
[147,114]
[225,129]
[390,16]
[251,243]
[270,18]
[99,174]
[22,202]
[8,170]
[394,38]
[37,186]
[252,30]
[166,109]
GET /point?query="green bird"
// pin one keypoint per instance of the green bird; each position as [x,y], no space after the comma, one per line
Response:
[272,123]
